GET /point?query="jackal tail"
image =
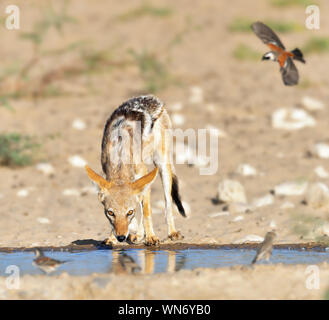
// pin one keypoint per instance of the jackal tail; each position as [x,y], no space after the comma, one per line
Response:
[176,196]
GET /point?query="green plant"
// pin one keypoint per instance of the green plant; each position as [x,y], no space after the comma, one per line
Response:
[154,73]
[244,25]
[317,45]
[144,10]
[286,3]
[17,149]
[243,52]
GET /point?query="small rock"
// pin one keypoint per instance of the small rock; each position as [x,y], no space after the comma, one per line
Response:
[219,214]
[178,119]
[312,104]
[89,190]
[45,168]
[238,218]
[290,188]
[321,172]
[71,192]
[263,201]
[287,205]
[322,150]
[43,220]
[238,207]
[231,191]
[178,106]
[317,195]
[79,124]
[22,193]
[250,238]
[77,161]
[196,95]
[246,170]
[292,119]
[272,224]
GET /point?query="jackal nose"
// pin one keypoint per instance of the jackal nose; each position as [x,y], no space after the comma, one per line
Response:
[121,238]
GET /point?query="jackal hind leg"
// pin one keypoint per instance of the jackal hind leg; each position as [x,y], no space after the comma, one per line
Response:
[150,238]
[166,172]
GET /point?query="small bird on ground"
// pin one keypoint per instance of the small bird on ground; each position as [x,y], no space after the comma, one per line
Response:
[46,264]
[129,264]
[278,53]
[264,251]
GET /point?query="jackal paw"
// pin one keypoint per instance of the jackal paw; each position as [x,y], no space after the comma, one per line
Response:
[152,241]
[176,235]
[132,238]
[109,242]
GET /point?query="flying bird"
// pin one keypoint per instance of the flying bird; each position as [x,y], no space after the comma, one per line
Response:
[46,264]
[265,249]
[278,53]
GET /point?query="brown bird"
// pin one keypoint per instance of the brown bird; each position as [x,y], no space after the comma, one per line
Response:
[46,264]
[278,53]
[264,251]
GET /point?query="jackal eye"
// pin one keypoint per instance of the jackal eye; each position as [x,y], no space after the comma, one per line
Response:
[130,212]
[110,213]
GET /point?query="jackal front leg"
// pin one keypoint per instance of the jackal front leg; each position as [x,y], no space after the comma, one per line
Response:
[150,238]
[166,172]
[111,240]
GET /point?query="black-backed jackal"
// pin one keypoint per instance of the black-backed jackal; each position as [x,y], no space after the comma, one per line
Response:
[137,134]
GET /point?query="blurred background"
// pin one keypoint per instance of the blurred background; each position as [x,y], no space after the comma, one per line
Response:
[73,62]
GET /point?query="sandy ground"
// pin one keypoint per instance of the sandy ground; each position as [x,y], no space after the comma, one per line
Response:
[239,98]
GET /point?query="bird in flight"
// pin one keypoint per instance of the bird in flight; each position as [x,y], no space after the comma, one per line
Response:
[265,249]
[278,53]
[46,264]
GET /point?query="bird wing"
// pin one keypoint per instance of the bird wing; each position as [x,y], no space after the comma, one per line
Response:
[289,72]
[267,35]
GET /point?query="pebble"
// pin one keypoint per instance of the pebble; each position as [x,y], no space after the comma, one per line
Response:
[238,218]
[317,195]
[250,238]
[321,172]
[45,168]
[219,214]
[292,119]
[178,119]
[22,193]
[290,188]
[246,170]
[231,191]
[272,224]
[263,201]
[79,124]
[287,205]
[322,150]
[177,106]
[312,104]
[71,192]
[43,220]
[196,95]
[77,161]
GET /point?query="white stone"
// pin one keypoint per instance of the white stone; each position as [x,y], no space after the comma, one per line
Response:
[79,124]
[263,201]
[312,104]
[43,220]
[250,238]
[45,168]
[317,195]
[178,106]
[238,218]
[321,172]
[292,119]
[22,193]
[71,192]
[90,189]
[77,161]
[186,154]
[231,191]
[322,150]
[219,214]
[196,95]
[287,205]
[246,170]
[272,224]
[291,188]
[178,119]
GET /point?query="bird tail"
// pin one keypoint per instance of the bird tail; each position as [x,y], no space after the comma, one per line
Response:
[298,55]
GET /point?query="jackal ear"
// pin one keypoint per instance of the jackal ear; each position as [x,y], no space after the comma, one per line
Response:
[101,182]
[143,183]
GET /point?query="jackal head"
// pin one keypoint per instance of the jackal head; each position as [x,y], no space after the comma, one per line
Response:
[120,200]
